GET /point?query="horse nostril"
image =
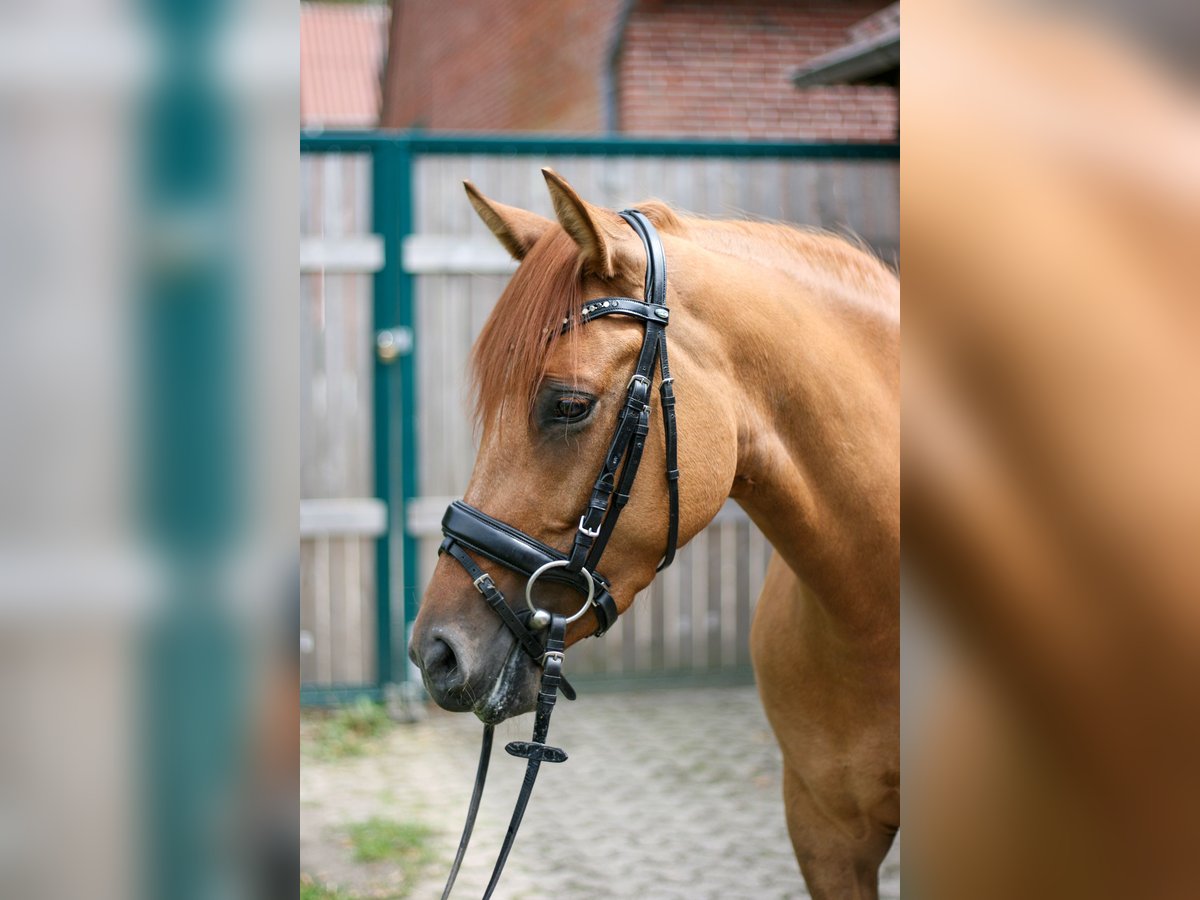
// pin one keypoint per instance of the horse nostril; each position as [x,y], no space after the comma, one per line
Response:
[442,666]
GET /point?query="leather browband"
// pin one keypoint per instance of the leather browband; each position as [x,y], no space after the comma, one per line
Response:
[604,306]
[500,542]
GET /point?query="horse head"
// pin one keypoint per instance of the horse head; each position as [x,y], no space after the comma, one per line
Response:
[550,386]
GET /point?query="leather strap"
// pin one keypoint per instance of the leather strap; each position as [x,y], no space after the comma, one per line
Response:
[481,770]
[536,750]
[610,494]
[606,306]
[464,524]
[491,594]
[656,294]
[466,528]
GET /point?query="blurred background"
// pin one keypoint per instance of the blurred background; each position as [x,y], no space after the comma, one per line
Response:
[148,464]
[154,589]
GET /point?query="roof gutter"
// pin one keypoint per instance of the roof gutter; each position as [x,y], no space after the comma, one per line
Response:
[852,63]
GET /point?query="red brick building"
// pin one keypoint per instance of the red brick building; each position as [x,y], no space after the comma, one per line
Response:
[341,64]
[694,68]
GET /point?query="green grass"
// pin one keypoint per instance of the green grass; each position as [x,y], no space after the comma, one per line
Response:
[314,890]
[349,731]
[376,840]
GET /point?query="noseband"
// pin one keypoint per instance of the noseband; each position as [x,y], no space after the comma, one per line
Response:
[468,529]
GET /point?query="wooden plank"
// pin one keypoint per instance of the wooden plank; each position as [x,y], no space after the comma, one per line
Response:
[357,253]
[614,640]
[362,373]
[308,625]
[357,516]
[683,568]
[669,580]
[331,220]
[712,606]
[700,600]
[453,255]
[322,610]
[366,632]
[744,600]
[340,671]
[307,376]
[434,369]
[364,184]
[658,626]
[456,447]
[335,366]
[728,595]
[352,605]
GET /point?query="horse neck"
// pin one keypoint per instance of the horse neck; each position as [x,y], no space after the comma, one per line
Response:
[811,364]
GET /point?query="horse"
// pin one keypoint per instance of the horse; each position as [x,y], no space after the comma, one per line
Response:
[785,355]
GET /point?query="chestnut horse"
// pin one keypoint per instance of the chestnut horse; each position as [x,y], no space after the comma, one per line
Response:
[785,347]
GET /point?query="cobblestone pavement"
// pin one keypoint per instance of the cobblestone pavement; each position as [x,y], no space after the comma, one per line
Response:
[667,794]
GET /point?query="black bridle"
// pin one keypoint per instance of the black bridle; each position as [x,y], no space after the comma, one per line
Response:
[468,529]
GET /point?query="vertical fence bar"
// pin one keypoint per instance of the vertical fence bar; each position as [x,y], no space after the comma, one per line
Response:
[402,201]
[384,311]
[395,408]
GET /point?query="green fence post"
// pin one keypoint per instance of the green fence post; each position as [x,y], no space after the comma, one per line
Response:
[394,407]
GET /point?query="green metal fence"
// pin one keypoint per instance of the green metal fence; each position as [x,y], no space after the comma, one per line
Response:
[393,163]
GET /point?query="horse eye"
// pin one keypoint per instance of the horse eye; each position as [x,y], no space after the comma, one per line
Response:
[571,408]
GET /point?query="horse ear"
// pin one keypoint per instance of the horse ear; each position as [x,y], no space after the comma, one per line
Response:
[592,228]
[517,229]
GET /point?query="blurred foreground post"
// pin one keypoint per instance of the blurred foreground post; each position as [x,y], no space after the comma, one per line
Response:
[1051,210]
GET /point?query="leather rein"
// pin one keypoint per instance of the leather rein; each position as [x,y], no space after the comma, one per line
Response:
[540,633]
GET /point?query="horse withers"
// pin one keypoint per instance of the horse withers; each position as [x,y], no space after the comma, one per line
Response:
[785,362]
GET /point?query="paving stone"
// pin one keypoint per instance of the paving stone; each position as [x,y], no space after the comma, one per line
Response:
[666,795]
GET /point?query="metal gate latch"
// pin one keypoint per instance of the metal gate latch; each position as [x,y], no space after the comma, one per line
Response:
[392,343]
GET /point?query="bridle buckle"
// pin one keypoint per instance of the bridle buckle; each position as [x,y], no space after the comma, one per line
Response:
[483,583]
[585,531]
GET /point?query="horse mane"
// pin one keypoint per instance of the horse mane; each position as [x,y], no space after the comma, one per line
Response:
[843,265]
[514,348]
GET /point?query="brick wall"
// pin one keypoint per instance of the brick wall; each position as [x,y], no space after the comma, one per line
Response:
[713,67]
[498,65]
[710,68]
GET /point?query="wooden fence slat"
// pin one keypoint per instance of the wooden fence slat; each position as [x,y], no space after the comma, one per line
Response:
[700,600]
[323,611]
[728,601]
[352,644]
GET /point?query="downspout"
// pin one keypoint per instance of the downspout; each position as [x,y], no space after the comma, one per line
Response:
[612,74]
